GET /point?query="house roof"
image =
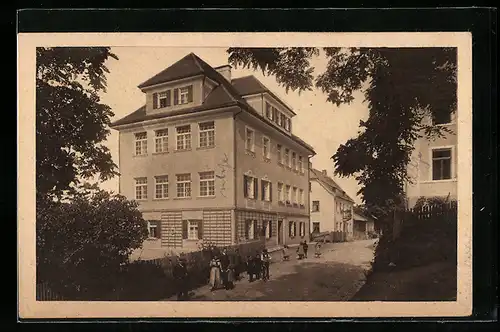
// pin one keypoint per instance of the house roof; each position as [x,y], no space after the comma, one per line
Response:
[357,216]
[224,95]
[329,183]
[250,85]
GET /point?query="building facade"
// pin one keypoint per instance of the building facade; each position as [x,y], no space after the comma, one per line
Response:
[433,165]
[331,207]
[214,159]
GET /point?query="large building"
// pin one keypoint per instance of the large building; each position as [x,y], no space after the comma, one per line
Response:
[433,165]
[331,207]
[214,159]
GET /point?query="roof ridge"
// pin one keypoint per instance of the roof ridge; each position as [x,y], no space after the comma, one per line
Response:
[195,57]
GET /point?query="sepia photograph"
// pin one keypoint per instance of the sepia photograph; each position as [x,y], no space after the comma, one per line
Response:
[288,173]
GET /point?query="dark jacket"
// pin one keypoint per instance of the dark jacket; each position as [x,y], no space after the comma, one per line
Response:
[224,261]
[180,271]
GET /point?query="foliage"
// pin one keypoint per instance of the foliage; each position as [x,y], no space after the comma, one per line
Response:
[71,123]
[402,88]
[83,244]
[433,201]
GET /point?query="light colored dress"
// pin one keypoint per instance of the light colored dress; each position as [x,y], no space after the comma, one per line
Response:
[215,278]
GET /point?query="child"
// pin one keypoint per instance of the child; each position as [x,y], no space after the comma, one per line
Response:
[286,254]
[265,264]
[317,252]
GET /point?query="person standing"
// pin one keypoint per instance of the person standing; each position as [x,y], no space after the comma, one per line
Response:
[180,274]
[224,265]
[250,268]
[305,248]
[265,264]
[214,273]
[300,250]
[258,265]
[238,264]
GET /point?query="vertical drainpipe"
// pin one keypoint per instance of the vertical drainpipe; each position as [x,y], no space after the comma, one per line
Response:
[235,191]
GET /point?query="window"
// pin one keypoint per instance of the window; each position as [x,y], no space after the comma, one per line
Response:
[292,228]
[280,192]
[192,230]
[282,120]
[287,157]
[287,124]
[301,197]
[207,184]
[302,229]
[141,143]
[268,229]
[315,206]
[295,196]
[294,161]
[441,118]
[279,118]
[266,190]
[183,95]
[301,165]
[279,153]
[161,140]
[441,164]
[153,229]
[288,194]
[315,227]
[184,137]
[250,229]
[269,111]
[266,151]
[250,187]
[250,140]
[183,185]
[207,134]
[161,187]
[141,188]
[164,99]
[275,115]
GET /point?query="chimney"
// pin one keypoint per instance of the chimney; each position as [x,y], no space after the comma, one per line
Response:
[324,172]
[225,71]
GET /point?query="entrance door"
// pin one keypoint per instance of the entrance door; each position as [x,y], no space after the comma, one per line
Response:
[280,231]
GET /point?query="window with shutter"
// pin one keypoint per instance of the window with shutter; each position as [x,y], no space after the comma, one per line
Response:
[245,186]
[184,229]
[155,100]
[255,188]
[200,230]
[176,96]
[190,94]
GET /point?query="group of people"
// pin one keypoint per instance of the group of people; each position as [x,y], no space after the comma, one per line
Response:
[301,251]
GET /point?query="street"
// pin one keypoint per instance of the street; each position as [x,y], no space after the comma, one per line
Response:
[336,276]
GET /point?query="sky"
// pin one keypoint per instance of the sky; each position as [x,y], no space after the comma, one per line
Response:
[318,122]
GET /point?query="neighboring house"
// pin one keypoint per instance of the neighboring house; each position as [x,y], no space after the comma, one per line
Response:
[364,224]
[331,207]
[433,165]
[211,158]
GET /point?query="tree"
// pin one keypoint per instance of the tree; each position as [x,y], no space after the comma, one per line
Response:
[401,87]
[71,123]
[82,244]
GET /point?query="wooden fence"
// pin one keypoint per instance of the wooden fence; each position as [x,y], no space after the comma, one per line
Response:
[329,237]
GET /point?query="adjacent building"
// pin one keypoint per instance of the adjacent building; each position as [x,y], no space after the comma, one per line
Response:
[433,165]
[364,224]
[214,158]
[331,207]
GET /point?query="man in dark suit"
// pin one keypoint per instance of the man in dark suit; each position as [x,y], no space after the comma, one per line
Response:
[180,274]
[224,263]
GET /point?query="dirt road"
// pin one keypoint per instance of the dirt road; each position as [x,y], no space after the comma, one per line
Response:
[336,276]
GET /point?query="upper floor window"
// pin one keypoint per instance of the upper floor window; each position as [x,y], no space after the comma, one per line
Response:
[301,197]
[295,196]
[250,139]
[269,111]
[141,143]
[184,137]
[280,192]
[315,206]
[282,122]
[207,184]
[141,188]
[161,187]
[266,190]
[266,148]
[207,134]
[287,157]
[183,95]
[279,153]
[184,185]
[301,165]
[288,194]
[294,161]
[161,140]
[287,124]
[275,115]
[250,188]
[441,164]
[441,118]
[164,99]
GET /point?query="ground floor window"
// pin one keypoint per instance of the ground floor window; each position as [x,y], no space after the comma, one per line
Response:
[192,230]
[154,229]
[267,229]
[292,229]
[250,229]
[315,227]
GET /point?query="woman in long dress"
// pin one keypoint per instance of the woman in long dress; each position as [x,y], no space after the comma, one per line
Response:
[215,279]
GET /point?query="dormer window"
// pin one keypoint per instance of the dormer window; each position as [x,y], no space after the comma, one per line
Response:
[185,95]
[164,98]
[182,96]
[269,111]
[287,124]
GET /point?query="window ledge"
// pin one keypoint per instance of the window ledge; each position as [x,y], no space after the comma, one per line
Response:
[182,198]
[182,150]
[205,197]
[205,147]
[160,153]
[161,199]
[439,181]
[140,155]
[141,200]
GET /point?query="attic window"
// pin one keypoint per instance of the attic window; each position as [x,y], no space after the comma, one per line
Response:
[185,95]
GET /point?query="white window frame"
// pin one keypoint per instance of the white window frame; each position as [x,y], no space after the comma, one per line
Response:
[300,162]
[452,162]
[250,148]
[193,230]
[250,186]
[250,225]
[281,192]
[155,226]
[184,137]
[161,140]
[207,179]
[141,143]
[268,228]
[162,185]
[266,184]
[184,95]
[142,184]
[208,134]
[184,184]
[163,95]
[295,195]
[288,193]
[266,149]
[313,206]
[270,108]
